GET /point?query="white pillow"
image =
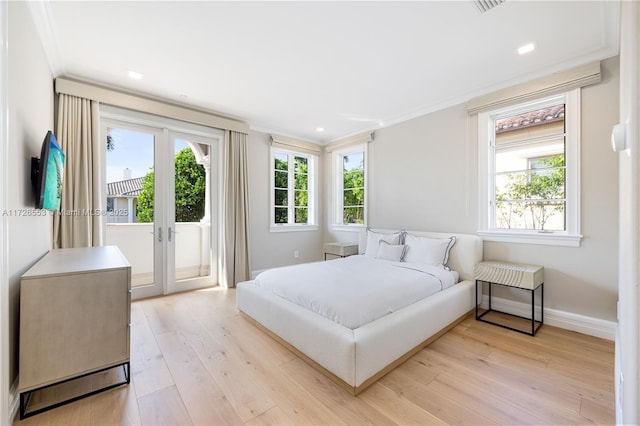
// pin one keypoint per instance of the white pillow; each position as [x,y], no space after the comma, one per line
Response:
[431,251]
[393,252]
[374,238]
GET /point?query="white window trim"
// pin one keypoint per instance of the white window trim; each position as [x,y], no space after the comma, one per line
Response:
[571,237]
[312,193]
[337,177]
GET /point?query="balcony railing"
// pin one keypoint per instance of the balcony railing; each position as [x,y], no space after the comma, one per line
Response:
[135,240]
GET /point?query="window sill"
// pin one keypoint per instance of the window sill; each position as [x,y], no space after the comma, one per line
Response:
[533,237]
[348,228]
[292,228]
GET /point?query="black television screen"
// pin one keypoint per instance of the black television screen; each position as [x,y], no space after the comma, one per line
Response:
[47,174]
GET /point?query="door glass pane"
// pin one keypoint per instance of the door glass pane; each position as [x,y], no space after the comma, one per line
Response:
[192,225]
[130,199]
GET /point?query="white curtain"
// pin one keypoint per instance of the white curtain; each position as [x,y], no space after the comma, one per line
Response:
[79,223]
[235,258]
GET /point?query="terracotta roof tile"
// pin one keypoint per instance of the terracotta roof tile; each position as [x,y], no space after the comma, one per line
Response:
[532,118]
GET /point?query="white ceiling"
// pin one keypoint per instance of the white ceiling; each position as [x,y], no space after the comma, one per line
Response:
[290,67]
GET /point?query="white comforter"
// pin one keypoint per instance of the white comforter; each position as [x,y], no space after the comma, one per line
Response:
[358,289]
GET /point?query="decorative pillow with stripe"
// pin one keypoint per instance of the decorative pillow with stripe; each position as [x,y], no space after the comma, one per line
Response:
[393,252]
[374,238]
[430,251]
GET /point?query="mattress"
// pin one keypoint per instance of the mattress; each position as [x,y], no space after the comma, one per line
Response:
[356,290]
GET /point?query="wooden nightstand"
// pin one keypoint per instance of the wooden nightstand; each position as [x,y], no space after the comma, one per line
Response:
[340,249]
[521,276]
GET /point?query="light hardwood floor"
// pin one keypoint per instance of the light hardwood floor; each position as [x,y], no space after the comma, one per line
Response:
[195,360]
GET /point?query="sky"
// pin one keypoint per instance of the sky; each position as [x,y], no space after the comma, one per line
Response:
[133,150]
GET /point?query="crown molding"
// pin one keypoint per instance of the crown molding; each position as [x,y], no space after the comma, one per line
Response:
[42,18]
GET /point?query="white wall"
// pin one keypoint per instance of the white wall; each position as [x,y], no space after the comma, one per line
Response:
[271,249]
[423,177]
[30,116]
[4,221]
[584,280]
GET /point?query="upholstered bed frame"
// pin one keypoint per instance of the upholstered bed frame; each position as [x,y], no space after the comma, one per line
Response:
[357,358]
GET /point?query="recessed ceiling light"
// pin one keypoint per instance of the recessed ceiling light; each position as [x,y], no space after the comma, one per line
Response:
[526,48]
[135,75]
[319,129]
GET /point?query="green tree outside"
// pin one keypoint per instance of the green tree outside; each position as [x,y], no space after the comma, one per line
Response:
[111,143]
[353,190]
[300,189]
[281,184]
[529,200]
[145,199]
[190,187]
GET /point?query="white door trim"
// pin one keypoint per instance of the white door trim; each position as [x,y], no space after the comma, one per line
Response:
[628,336]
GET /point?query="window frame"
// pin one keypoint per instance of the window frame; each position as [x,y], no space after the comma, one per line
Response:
[312,193]
[569,237]
[338,187]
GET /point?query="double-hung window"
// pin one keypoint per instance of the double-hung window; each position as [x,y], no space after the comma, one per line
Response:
[350,182]
[293,190]
[529,171]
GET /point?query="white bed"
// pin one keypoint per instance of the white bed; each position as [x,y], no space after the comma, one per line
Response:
[355,355]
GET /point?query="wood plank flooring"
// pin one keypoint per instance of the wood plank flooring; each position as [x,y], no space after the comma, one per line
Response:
[195,360]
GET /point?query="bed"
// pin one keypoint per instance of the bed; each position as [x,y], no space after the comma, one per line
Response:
[355,353]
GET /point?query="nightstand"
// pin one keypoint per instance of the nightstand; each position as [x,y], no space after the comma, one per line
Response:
[340,249]
[521,276]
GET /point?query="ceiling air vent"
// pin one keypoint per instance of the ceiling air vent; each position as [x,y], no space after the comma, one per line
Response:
[485,5]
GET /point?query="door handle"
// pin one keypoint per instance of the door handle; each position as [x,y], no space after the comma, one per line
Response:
[159,234]
[170,232]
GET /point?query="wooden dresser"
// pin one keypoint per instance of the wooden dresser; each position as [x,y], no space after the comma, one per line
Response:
[75,309]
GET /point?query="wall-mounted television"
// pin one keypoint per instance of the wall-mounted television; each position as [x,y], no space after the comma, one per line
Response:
[47,174]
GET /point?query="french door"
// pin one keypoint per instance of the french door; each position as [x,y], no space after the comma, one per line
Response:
[192,200]
[161,184]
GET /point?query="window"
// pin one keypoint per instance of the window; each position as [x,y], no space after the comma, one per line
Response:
[350,186]
[293,190]
[529,171]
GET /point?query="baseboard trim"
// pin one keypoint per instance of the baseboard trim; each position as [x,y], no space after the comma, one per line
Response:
[569,321]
